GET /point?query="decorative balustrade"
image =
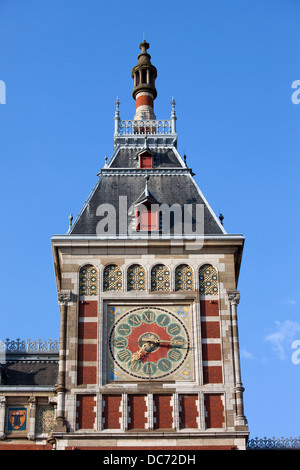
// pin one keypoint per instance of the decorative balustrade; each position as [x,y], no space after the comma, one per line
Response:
[273,443]
[132,127]
[29,346]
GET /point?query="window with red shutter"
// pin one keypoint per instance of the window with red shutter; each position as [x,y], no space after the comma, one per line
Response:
[147,218]
[146,161]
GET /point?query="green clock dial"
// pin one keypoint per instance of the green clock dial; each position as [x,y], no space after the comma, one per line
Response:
[149,344]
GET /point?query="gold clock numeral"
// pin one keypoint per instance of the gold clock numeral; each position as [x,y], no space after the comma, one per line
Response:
[178,342]
[134,320]
[174,355]
[135,365]
[120,343]
[163,320]
[124,355]
[173,329]
[124,330]
[149,316]
[164,365]
[150,368]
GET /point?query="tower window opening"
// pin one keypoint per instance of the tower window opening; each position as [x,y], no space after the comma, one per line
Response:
[147,218]
[146,160]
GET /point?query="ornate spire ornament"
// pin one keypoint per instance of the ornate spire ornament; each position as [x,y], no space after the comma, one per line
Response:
[144,91]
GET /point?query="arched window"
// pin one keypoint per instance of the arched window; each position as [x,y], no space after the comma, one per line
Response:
[88,280]
[208,280]
[136,278]
[160,278]
[112,278]
[184,277]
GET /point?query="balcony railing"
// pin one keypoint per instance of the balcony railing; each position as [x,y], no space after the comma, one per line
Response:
[131,127]
[273,443]
[29,346]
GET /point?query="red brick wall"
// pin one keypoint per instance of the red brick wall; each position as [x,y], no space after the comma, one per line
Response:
[138,408]
[212,375]
[111,411]
[211,352]
[188,411]
[87,352]
[86,414]
[144,100]
[210,329]
[214,411]
[17,446]
[86,375]
[209,308]
[87,330]
[88,308]
[163,412]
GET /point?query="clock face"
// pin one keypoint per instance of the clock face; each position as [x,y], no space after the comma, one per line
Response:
[148,343]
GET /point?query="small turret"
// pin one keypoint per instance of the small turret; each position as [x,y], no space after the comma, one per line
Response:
[144,91]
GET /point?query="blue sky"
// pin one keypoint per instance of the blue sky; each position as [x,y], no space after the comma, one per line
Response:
[230,66]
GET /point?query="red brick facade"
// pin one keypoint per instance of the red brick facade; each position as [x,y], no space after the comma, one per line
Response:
[111,415]
[214,411]
[211,352]
[87,351]
[212,375]
[137,409]
[163,418]
[86,375]
[88,308]
[209,308]
[144,100]
[210,329]
[86,413]
[188,412]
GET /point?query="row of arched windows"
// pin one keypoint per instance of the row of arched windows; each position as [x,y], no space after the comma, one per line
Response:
[136,279]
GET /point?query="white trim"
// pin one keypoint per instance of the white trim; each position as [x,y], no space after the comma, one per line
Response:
[146,238]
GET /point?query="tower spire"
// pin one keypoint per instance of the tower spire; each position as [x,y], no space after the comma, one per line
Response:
[144,91]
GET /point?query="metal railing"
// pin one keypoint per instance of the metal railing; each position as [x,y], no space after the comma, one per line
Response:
[273,443]
[29,346]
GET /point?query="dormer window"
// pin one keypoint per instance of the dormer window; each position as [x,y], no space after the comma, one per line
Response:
[145,159]
[147,217]
[147,214]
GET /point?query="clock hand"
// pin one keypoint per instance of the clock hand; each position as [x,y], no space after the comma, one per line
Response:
[172,343]
[138,354]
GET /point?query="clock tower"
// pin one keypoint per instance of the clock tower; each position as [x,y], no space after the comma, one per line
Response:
[147,286]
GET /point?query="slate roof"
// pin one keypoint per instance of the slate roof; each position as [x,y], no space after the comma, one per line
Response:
[170,182]
[20,373]
[163,158]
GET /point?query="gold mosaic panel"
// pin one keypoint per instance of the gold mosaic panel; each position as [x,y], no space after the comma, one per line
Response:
[88,280]
[184,278]
[160,278]
[112,278]
[136,278]
[45,419]
[208,280]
